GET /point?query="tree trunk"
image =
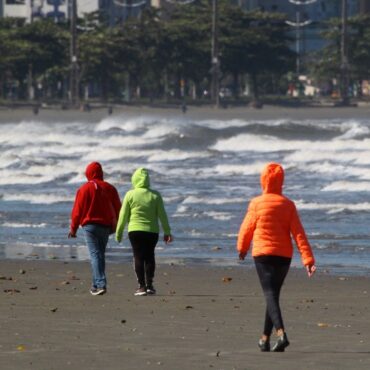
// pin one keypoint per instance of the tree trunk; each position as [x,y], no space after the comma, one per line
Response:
[104,88]
[165,85]
[235,85]
[178,87]
[255,86]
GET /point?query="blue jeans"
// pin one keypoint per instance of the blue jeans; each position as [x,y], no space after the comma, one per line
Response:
[96,237]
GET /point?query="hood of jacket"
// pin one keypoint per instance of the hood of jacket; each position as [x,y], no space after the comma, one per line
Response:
[94,171]
[272,178]
[140,178]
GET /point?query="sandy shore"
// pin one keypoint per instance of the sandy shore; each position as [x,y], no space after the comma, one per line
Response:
[202,318]
[196,113]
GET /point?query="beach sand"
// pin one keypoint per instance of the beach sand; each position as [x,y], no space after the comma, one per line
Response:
[203,317]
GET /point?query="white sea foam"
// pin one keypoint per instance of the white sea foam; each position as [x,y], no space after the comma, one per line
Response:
[217,201]
[221,124]
[19,177]
[22,225]
[37,198]
[128,124]
[221,216]
[237,169]
[153,126]
[175,155]
[33,133]
[340,155]
[249,142]
[338,169]
[353,129]
[347,186]
[265,143]
[333,207]
[35,174]
[182,209]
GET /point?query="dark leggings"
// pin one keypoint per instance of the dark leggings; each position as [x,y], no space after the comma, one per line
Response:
[143,244]
[272,271]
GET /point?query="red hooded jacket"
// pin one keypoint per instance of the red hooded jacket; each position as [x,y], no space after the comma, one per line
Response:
[272,219]
[97,201]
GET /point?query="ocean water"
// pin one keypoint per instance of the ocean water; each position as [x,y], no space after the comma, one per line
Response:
[206,170]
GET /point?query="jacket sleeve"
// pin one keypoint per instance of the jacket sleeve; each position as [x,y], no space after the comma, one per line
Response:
[77,211]
[163,216]
[116,202]
[301,240]
[124,217]
[247,228]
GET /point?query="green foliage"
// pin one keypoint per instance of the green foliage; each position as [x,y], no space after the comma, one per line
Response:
[159,48]
[328,60]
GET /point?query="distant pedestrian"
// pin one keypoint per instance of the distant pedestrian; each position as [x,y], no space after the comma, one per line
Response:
[270,221]
[184,107]
[141,209]
[96,209]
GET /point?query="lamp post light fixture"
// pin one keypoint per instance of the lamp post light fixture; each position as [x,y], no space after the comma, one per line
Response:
[298,24]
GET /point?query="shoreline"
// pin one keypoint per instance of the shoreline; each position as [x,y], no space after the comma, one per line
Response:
[201,318]
[334,270]
[268,112]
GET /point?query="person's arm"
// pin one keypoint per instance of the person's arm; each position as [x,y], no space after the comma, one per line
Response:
[123,218]
[246,231]
[76,214]
[164,221]
[302,243]
[116,201]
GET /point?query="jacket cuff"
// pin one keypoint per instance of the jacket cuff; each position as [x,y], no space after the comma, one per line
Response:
[308,261]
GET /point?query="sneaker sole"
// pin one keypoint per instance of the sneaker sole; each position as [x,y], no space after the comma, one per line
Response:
[140,294]
[99,292]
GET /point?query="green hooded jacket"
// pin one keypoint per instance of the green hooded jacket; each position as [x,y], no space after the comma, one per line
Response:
[142,207]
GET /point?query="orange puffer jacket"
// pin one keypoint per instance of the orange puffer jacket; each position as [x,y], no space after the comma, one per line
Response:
[272,219]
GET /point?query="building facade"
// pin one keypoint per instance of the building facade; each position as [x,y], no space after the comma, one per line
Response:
[118,11]
[34,9]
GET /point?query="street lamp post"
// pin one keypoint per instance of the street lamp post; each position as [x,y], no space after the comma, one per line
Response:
[73,78]
[215,60]
[298,25]
[344,66]
[215,56]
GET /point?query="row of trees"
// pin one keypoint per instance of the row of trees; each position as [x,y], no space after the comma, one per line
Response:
[165,53]
[327,62]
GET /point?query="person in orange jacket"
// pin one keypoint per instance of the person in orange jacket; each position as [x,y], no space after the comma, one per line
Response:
[270,222]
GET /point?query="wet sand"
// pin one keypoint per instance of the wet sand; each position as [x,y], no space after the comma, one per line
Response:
[203,317]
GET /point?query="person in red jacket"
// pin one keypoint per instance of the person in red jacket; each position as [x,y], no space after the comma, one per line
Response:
[96,209]
[270,222]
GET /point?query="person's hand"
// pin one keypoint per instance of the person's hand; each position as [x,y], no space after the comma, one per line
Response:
[118,239]
[72,234]
[242,255]
[168,239]
[310,270]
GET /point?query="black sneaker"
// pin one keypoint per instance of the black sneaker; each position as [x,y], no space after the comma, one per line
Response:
[150,290]
[264,345]
[140,291]
[97,291]
[281,343]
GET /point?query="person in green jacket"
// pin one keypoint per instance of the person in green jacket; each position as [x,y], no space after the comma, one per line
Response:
[141,209]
